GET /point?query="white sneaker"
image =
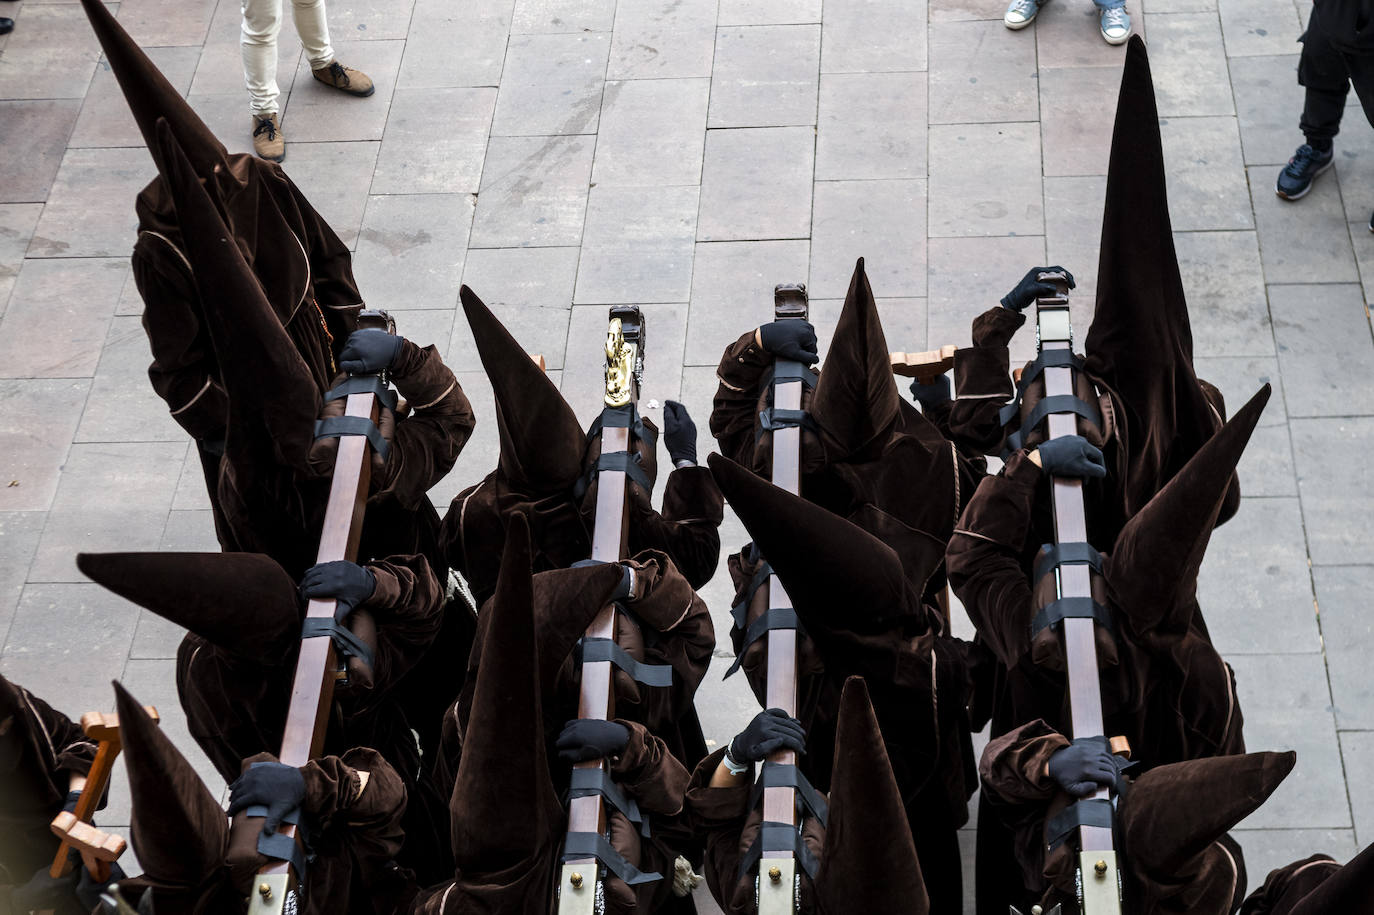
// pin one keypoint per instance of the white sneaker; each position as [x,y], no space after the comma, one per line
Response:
[1116,25]
[1021,13]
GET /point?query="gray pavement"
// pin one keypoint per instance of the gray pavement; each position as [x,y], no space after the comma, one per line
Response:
[562,155]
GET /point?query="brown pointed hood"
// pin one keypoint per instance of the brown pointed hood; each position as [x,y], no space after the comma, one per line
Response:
[274,398]
[505,812]
[840,578]
[870,862]
[151,97]
[1173,813]
[178,830]
[541,440]
[565,603]
[855,405]
[1153,567]
[242,602]
[1140,344]
[1349,890]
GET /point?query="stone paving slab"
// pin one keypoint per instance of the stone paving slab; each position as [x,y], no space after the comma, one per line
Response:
[686,155]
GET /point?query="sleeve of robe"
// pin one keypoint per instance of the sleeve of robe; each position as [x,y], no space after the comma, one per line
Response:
[73,752]
[360,793]
[687,635]
[983,558]
[1017,787]
[688,527]
[649,773]
[183,364]
[982,381]
[734,411]
[407,604]
[718,816]
[427,442]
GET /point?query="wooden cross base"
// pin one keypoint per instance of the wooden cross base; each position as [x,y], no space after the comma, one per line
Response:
[924,367]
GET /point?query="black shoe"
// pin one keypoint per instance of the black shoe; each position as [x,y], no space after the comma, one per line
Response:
[6,25]
[1297,176]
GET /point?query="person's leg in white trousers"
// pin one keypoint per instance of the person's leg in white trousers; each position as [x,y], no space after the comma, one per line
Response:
[261,27]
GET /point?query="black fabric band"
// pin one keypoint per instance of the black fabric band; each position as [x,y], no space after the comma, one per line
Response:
[280,847]
[772,419]
[345,642]
[1066,608]
[785,370]
[589,782]
[363,384]
[773,618]
[595,845]
[591,650]
[626,417]
[1093,811]
[740,611]
[1054,555]
[1050,358]
[260,810]
[338,426]
[627,580]
[778,837]
[1059,403]
[621,461]
[776,775]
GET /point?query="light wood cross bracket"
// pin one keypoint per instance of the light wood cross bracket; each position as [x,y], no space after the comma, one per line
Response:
[924,367]
[97,849]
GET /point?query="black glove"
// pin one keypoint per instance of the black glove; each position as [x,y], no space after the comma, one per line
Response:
[72,798]
[591,738]
[1030,288]
[44,892]
[679,432]
[1085,765]
[1071,456]
[88,889]
[278,787]
[347,582]
[790,339]
[930,396]
[369,351]
[770,731]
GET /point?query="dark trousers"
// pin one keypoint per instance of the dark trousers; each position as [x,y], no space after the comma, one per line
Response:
[1327,73]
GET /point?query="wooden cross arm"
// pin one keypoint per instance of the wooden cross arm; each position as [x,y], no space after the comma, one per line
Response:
[539,361]
[86,839]
[926,366]
[104,726]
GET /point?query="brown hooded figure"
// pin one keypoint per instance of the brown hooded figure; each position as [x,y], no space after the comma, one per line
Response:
[194,861]
[1164,687]
[507,820]
[865,860]
[1317,885]
[866,454]
[1138,366]
[544,473]
[861,614]
[41,752]
[248,341]
[236,664]
[1171,825]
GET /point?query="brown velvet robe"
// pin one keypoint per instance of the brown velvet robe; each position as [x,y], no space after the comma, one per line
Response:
[40,748]
[1317,884]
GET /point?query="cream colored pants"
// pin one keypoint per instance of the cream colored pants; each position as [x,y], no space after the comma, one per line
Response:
[261,24]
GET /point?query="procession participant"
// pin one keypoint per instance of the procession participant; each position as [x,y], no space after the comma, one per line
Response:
[194,860]
[44,760]
[1172,820]
[862,611]
[1137,369]
[285,324]
[236,664]
[1316,884]
[864,858]
[508,823]
[546,472]
[1164,687]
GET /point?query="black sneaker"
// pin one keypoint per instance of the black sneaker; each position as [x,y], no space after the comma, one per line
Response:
[1297,176]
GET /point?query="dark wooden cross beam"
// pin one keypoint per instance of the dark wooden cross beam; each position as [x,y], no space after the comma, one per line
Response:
[579,877]
[318,666]
[778,869]
[1097,866]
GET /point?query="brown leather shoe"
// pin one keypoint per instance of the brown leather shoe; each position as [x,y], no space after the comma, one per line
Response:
[345,79]
[268,141]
